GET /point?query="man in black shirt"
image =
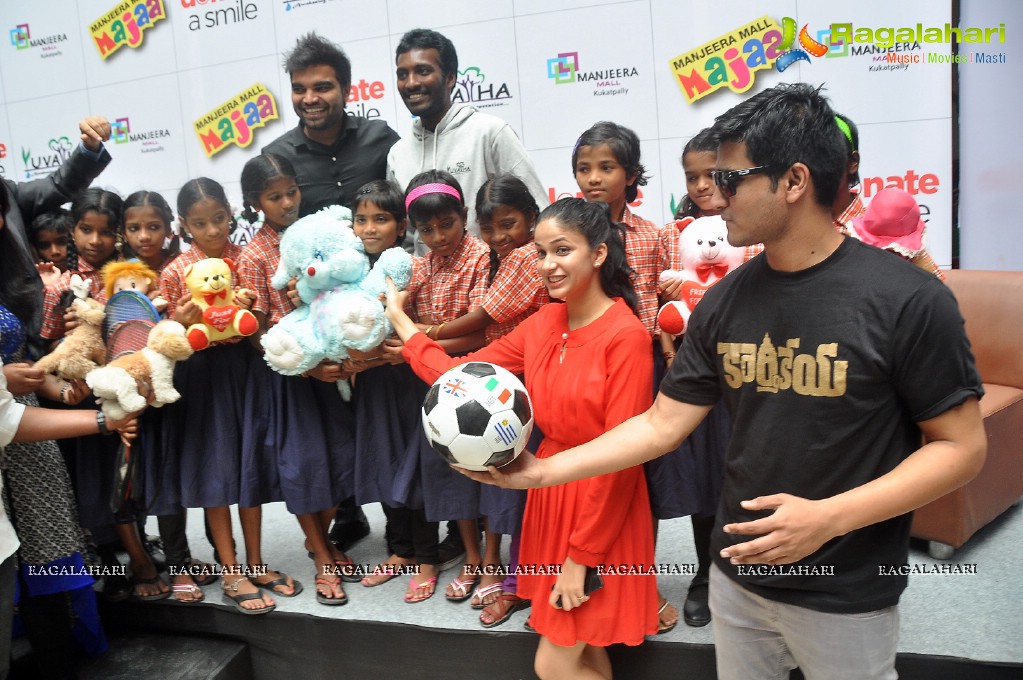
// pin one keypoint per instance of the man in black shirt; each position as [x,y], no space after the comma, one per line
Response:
[334,153]
[833,357]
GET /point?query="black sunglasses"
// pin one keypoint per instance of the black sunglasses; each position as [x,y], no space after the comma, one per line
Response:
[726,180]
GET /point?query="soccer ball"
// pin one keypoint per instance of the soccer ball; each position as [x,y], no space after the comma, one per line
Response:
[477,415]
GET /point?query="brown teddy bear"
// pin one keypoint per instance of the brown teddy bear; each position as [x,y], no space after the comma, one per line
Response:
[83,348]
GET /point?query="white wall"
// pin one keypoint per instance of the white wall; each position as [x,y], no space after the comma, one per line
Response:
[990,146]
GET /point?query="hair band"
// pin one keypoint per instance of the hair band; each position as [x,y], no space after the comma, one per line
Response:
[844,127]
[435,188]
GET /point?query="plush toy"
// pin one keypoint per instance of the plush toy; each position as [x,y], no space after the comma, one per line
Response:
[82,349]
[115,384]
[209,281]
[132,275]
[342,294]
[706,257]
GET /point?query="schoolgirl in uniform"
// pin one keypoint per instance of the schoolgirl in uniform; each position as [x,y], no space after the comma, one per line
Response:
[95,238]
[309,435]
[205,464]
[448,282]
[506,213]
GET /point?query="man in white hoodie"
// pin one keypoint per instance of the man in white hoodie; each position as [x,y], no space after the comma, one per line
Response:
[458,139]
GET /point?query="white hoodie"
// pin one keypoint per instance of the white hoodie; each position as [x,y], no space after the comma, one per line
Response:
[473,147]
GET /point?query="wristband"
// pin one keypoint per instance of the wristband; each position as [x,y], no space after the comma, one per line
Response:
[101,423]
[63,392]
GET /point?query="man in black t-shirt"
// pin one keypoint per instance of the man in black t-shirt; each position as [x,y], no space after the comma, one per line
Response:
[833,357]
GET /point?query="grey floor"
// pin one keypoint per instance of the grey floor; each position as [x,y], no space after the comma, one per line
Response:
[973,615]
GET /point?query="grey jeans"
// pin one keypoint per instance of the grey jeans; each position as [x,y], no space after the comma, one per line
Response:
[760,639]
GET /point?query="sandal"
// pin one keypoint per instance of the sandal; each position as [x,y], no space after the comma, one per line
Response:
[137,581]
[281,581]
[483,592]
[662,626]
[334,586]
[190,588]
[238,598]
[461,589]
[346,570]
[202,573]
[383,571]
[501,609]
[413,588]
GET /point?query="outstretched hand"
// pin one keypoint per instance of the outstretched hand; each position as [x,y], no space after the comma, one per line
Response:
[525,472]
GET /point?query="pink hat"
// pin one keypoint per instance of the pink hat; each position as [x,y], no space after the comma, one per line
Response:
[892,222]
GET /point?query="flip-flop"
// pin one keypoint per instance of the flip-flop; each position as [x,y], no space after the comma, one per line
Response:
[428,583]
[503,608]
[191,588]
[330,601]
[238,598]
[135,581]
[281,580]
[387,571]
[483,592]
[462,587]
[202,573]
[664,628]
[347,571]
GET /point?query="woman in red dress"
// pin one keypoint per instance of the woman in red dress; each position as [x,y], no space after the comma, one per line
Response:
[587,368]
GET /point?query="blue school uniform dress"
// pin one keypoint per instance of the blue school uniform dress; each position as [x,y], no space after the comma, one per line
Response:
[515,294]
[304,441]
[442,289]
[201,460]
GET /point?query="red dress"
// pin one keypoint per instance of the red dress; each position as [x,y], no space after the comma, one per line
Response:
[604,379]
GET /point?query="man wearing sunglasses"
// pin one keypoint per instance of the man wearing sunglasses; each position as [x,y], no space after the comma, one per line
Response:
[834,357]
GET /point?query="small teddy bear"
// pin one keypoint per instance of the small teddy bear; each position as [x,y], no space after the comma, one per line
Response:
[342,307]
[83,348]
[706,257]
[209,281]
[116,384]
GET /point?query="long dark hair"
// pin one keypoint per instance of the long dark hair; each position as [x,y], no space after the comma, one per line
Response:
[17,292]
[592,219]
[94,199]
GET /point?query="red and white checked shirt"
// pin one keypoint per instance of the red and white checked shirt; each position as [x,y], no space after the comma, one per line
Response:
[515,293]
[445,288]
[256,266]
[172,280]
[648,259]
[853,210]
[52,327]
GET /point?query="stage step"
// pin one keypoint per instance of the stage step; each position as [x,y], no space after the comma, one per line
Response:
[165,656]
